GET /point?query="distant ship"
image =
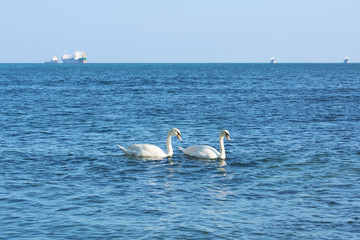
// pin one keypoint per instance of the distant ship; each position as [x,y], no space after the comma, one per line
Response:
[78,57]
[54,59]
[346,60]
[272,60]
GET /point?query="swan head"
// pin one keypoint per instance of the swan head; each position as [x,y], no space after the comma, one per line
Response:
[225,133]
[176,132]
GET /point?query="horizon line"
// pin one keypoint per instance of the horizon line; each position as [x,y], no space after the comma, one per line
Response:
[178,63]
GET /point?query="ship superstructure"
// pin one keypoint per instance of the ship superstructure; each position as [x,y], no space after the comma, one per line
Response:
[77,57]
[272,60]
[54,59]
[346,60]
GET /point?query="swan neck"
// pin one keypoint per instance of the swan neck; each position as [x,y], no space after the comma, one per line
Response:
[222,148]
[169,145]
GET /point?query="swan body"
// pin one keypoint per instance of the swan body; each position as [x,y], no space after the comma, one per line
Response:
[201,151]
[149,150]
[207,152]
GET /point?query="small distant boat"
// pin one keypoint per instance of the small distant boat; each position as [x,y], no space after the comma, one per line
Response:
[78,57]
[346,60]
[272,60]
[54,59]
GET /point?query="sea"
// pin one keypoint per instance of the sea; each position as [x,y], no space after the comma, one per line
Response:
[292,167]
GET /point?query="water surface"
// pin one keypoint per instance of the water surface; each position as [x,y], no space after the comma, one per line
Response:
[292,169]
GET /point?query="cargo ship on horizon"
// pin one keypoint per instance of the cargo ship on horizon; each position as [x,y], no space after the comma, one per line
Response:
[78,57]
[272,60]
[53,60]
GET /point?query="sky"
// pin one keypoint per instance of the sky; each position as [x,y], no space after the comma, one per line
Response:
[180,31]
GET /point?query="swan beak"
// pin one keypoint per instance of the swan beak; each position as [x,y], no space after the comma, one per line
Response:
[228,137]
[179,137]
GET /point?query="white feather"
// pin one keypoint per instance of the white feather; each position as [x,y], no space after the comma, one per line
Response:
[207,152]
[152,151]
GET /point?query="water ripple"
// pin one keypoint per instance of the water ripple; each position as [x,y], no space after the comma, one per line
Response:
[292,169]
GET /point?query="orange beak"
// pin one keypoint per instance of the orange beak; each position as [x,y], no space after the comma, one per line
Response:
[179,137]
[228,137]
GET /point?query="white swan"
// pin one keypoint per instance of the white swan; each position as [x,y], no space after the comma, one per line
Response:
[149,150]
[207,152]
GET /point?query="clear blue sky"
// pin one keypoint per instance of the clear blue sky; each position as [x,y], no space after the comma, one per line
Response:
[181,30]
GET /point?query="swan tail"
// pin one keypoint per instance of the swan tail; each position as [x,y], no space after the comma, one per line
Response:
[181,149]
[127,151]
[122,148]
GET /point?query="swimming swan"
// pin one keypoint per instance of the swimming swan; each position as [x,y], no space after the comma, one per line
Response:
[149,150]
[207,152]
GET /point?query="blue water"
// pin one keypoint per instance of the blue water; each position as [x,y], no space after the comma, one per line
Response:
[292,168]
